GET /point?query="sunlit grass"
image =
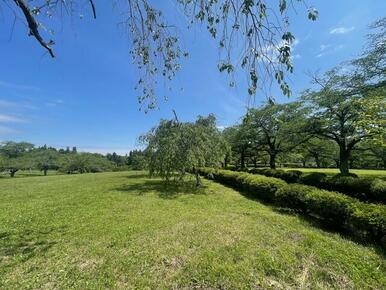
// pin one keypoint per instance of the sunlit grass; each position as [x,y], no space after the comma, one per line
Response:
[123,230]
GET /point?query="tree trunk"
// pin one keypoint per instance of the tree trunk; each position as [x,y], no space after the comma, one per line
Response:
[12,172]
[198,179]
[242,159]
[304,163]
[344,156]
[317,161]
[45,172]
[272,160]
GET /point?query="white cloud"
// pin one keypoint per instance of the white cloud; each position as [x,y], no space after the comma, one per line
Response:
[10,119]
[54,103]
[18,86]
[325,51]
[341,30]
[6,104]
[324,46]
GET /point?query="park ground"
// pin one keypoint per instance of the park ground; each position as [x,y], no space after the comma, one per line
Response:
[124,230]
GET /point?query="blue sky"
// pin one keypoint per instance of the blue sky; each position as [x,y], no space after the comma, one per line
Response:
[85,97]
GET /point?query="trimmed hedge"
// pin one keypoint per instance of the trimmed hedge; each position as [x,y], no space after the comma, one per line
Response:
[366,189]
[361,219]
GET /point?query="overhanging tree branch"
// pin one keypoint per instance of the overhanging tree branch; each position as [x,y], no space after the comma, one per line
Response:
[34,27]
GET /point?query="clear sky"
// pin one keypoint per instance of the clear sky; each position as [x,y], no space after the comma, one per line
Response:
[85,97]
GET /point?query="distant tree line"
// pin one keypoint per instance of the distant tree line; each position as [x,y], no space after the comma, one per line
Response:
[16,156]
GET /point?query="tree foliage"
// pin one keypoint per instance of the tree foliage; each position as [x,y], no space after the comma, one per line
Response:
[277,128]
[178,147]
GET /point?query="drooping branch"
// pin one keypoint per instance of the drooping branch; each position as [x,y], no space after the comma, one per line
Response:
[93,8]
[34,27]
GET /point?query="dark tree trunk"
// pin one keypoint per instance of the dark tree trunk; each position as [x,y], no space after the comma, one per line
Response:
[304,163]
[344,155]
[317,161]
[45,172]
[242,159]
[12,172]
[272,160]
[198,179]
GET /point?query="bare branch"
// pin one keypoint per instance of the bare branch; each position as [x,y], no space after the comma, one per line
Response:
[33,26]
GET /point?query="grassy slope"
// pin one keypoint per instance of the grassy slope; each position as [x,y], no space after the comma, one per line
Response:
[122,230]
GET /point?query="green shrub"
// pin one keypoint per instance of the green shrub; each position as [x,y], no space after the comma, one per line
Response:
[293,196]
[256,171]
[339,175]
[315,179]
[261,186]
[231,167]
[378,190]
[369,220]
[342,211]
[367,189]
[290,176]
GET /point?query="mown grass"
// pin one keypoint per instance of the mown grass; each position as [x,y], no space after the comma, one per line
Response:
[333,171]
[123,230]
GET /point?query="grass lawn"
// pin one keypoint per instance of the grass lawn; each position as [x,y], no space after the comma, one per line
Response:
[123,230]
[331,171]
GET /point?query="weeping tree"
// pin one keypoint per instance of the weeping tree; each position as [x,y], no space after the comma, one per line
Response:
[252,35]
[175,148]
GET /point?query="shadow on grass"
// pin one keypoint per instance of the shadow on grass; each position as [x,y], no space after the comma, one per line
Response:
[166,190]
[26,244]
[314,221]
[138,175]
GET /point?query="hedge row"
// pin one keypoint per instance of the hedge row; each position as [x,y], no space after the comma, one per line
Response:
[361,219]
[366,189]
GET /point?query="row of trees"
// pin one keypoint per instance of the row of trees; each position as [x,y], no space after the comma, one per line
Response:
[341,120]
[15,156]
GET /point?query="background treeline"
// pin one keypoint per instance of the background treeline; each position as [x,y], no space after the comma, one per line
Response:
[338,122]
[17,156]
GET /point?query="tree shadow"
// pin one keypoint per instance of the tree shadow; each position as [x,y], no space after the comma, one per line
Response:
[166,190]
[333,228]
[138,175]
[317,222]
[26,244]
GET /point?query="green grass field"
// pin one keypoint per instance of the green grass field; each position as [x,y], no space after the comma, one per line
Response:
[125,231]
[332,171]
